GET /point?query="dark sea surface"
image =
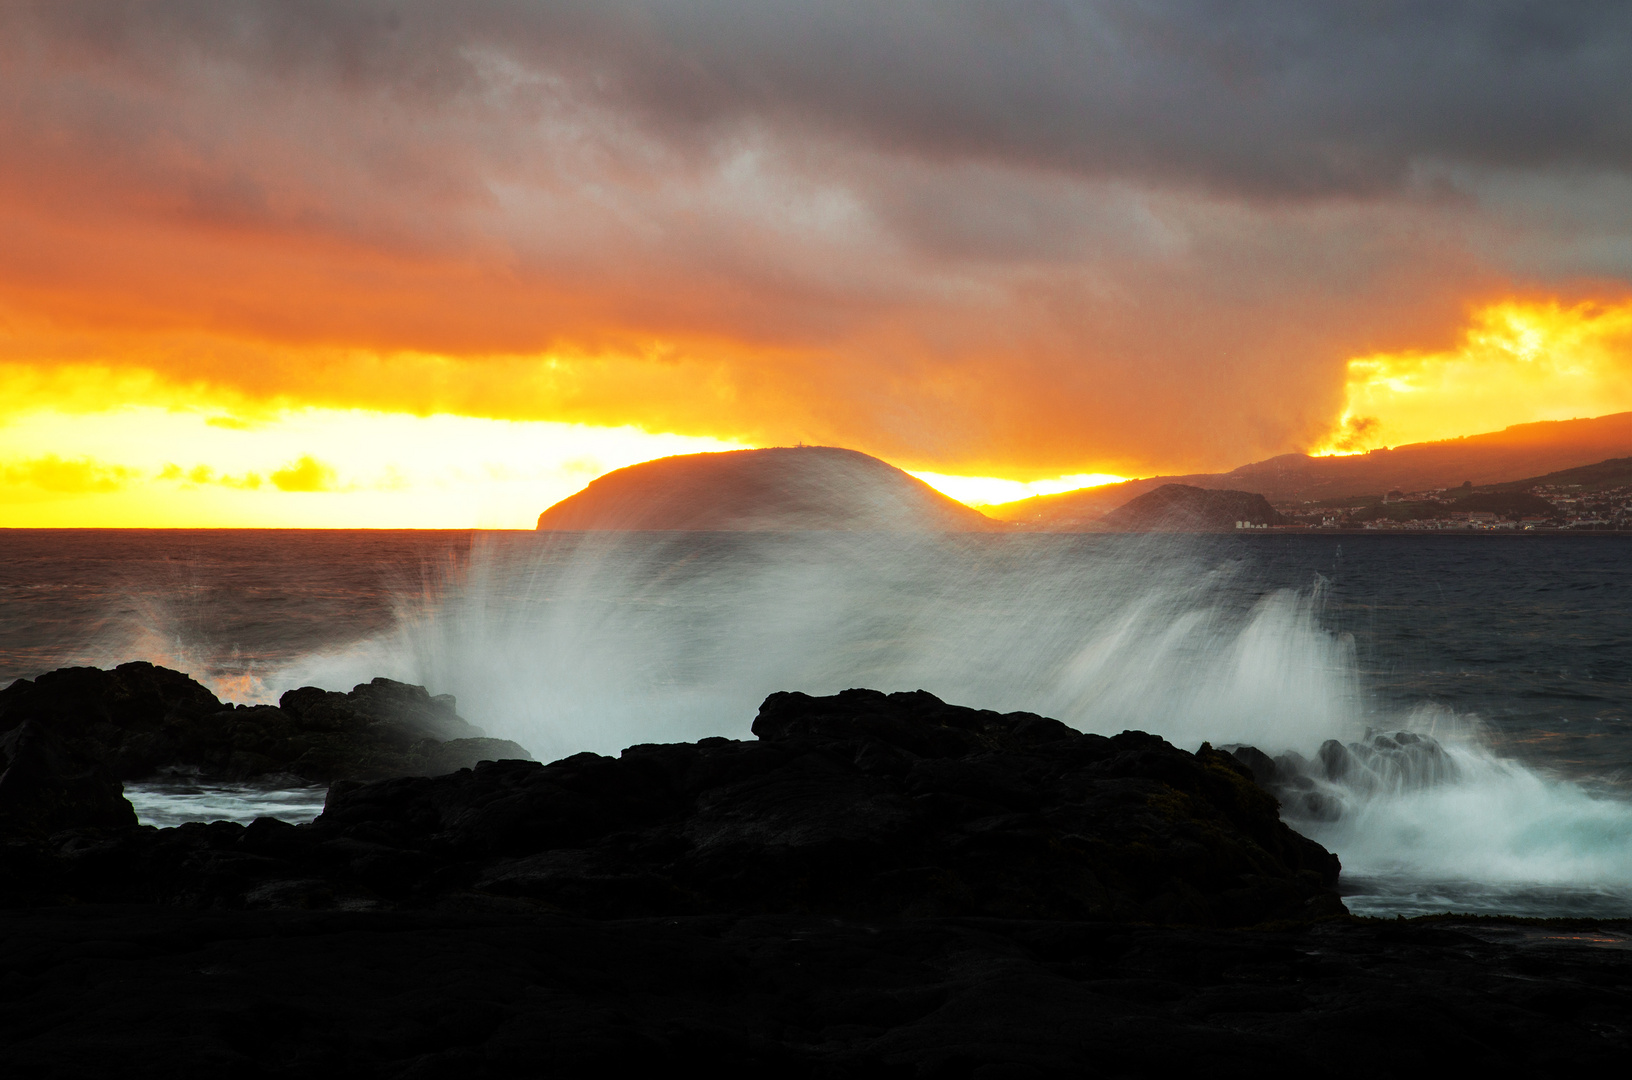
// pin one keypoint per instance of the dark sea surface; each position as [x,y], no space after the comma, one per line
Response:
[1533,635]
[1515,651]
[225,605]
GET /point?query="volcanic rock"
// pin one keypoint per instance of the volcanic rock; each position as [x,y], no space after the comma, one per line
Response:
[861,805]
[877,886]
[47,786]
[139,720]
[779,489]
[1320,790]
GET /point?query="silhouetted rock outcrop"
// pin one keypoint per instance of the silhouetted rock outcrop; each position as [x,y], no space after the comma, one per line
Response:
[779,489]
[861,804]
[866,804]
[46,786]
[138,720]
[877,886]
[1341,773]
[1182,508]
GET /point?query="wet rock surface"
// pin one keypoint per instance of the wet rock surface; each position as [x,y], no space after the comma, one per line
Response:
[860,804]
[139,720]
[875,886]
[46,786]
[179,993]
[1322,789]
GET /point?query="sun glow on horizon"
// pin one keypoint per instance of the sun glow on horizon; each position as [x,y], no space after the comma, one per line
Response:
[144,466]
[978,491]
[1518,362]
[88,446]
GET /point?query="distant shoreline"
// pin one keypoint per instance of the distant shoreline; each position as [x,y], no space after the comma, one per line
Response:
[1528,533]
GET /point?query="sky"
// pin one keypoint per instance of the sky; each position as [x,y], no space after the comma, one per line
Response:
[363,262]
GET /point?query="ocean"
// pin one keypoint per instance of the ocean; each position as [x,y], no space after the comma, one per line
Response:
[1512,653]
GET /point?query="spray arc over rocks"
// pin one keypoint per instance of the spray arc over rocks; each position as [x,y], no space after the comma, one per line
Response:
[571,642]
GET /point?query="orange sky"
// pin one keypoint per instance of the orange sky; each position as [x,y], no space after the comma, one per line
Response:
[539,241]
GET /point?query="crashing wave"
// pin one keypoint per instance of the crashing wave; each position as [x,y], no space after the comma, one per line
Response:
[1381,763]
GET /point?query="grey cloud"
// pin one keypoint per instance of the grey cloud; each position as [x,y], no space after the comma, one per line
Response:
[1059,232]
[977,213]
[1257,98]
[1558,223]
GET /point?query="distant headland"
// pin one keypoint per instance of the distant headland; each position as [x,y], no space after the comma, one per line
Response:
[1514,458]
[1499,475]
[1183,508]
[779,489]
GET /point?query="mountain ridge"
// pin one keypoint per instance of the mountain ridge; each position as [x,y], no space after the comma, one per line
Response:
[1518,453]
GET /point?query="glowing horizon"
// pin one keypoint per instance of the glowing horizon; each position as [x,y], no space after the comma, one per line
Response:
[112,445]
[327,468]
[982,491]
[1106,251]
[305,468]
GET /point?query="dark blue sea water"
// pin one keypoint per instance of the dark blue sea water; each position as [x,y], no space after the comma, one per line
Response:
[1514,651]
[1533,635]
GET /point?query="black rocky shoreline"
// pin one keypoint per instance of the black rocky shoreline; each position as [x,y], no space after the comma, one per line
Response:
[875,885]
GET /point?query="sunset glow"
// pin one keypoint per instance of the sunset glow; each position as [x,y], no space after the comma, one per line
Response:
[108,444]
[146,466]
[994,491]
[908,537]
[283,250]
[143,466]
[1518,362]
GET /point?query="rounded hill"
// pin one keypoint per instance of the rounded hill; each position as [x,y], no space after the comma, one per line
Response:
[779,489]
[1183,508]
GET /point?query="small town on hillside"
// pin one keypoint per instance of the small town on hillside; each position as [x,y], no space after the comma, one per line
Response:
[1543,508]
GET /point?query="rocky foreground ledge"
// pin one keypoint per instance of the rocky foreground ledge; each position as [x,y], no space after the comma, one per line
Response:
[873,886]
[140,721]
[859,805]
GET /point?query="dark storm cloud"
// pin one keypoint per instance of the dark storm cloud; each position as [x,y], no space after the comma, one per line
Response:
[1260,98]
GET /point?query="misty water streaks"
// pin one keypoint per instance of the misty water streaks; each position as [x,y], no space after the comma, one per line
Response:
[578,642]
[596,641]
[1512,656]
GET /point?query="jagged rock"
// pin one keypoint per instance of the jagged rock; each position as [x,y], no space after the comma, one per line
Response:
[46,786]
[452,941]
[139,719]
[862,805]
[1319,790]
[1258,764]
[382,704]
[1335,760]
[443,949]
